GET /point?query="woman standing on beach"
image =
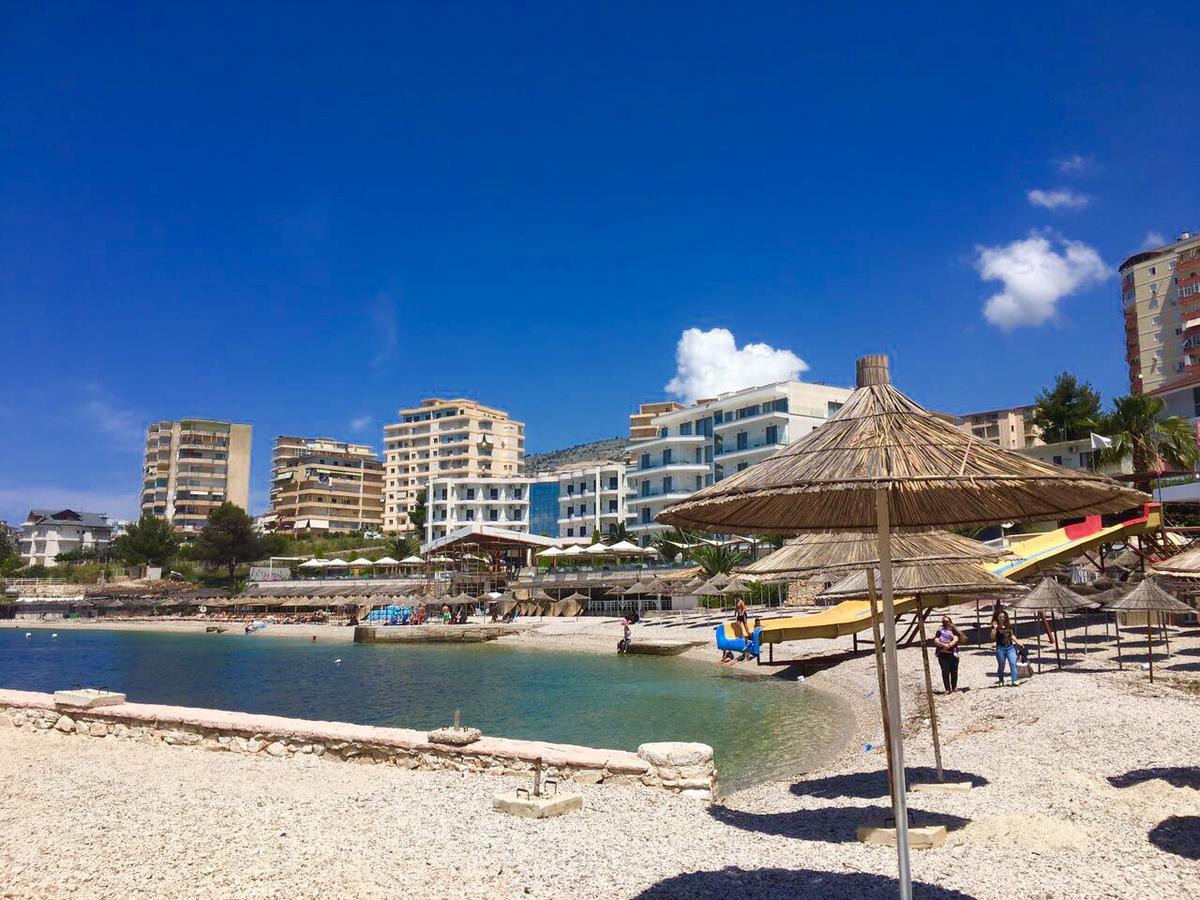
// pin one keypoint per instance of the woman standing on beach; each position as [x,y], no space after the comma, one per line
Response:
[1006,646]
[947,641]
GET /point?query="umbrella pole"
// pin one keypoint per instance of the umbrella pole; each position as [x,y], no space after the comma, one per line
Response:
[1117,630]
[1039,623]
[1162,618]
[1057,646]
[883,705]
[1085,634]
[978,623]
[1150,645]
[883,532]
[933,725]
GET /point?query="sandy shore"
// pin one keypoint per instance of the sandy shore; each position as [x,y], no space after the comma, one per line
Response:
[331,633]
[1086,786]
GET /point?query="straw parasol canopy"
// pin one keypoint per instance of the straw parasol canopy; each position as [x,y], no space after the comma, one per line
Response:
[541,596]
[708,589]
[719,580]
[1185,565]
[1149,597]
[929,579]
[881,462]
[615,591]
[639,588]
[1050,596]
[735,586]
[935,474]
[836,551]
[463,599]
[574,597]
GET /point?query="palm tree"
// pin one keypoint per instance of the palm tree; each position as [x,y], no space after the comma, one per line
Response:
[402,546]
[671,543]
[1139,430]
[717,558]
[618,532]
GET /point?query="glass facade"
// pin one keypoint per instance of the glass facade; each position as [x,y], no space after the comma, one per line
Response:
[543,508]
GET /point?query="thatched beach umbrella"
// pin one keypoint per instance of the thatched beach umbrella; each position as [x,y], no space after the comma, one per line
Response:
[935,584]
[843,551]
[1184,565]
[883,462]
[1148,597]
[1051,597]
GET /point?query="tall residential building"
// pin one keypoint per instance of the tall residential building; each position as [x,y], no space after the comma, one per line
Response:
[1010,428]
[701,444]
[1160,299]
[193,466]
[47,533]
[446,439]
[641,423]
[324,485]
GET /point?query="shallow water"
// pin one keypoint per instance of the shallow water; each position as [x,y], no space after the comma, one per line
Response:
[760,728]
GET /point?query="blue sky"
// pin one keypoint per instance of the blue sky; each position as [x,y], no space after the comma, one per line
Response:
[305,217]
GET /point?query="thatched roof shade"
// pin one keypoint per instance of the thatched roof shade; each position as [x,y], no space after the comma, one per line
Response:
[937,578]
[936,475]
[719,580]
[1050,596]
[1185,565]
[735,586]
[615,591]
[575,597]
[1148,596]
[639,588]
[839,551]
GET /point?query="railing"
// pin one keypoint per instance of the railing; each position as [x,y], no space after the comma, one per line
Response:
[746,449]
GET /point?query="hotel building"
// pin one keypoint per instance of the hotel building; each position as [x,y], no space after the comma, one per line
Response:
[702,444]
[1011,428]
[191,467]
[446,439]
[641,423]
[1160,301]
[455,503]
[47,533]
[324,485]
[592,496]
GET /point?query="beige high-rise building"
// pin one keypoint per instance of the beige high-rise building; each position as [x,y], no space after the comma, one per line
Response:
[323,485]
[446,439]
[1160,297]
[1010,428]
[191,467]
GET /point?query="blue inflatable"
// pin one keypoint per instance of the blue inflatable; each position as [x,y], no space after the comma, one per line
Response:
[727,641]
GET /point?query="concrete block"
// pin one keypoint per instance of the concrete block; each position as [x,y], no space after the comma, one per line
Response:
[926,837]
[537,807]
[946,787]
[88,698]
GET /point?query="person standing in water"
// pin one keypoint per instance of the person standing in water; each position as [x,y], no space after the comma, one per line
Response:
[946,642]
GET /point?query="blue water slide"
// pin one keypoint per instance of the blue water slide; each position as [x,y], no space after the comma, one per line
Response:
[726,641]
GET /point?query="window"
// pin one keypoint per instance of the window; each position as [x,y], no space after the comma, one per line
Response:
[831,407]
[645,516]
[667,484]
[743,466]
[1058,460]
[613,483]
[743,440]
[1154,270]
[685,428]
[1154,303]
[494,493]
[571,489]
[493,515]
[699,482]
[772,434]
[1156,320]
[470,493]
[570,532]
[517,492]
[666,457]
[570,512]
[645,461]
[612,506]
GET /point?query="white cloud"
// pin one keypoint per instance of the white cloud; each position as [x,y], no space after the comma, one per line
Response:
[709,363]
[1152,240]
[16,502]
[1058,198]
[1036,275]
[125,426]
[1076,164]
[361,423]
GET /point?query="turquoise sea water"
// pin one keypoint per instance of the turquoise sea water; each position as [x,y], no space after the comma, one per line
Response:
[760,728]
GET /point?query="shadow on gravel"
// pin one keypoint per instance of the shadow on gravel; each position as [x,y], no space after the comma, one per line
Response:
[874,785]
[834,825]
[1179,835]
[1176,776]
[776,884]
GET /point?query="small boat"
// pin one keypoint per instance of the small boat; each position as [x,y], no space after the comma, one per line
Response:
[255,626]
[657,648]
[215,629]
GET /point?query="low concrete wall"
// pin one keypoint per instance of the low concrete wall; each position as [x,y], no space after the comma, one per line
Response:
[431,634]
[680,768]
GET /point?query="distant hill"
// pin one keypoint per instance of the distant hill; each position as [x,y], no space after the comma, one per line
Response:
[608,448]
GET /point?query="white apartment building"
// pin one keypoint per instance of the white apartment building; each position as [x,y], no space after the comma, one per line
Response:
[47,533]
[454,503]
[191,467]
[1078,454]
[701,444]
[592,496]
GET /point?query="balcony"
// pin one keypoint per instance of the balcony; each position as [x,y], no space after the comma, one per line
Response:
[680,465]
[671,439]
[751,449]
[659,496]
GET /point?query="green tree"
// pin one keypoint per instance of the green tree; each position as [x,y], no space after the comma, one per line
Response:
[7,551]
[618,532]
[1138,429]
[417,512]
[1067,411]
[717,558]
[402,546]
[228,539]
[148,542]
[596,536]
[672,543]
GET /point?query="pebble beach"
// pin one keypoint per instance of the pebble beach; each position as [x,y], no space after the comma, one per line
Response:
[1085,785]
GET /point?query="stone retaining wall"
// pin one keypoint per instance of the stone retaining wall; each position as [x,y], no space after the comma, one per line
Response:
[680,768]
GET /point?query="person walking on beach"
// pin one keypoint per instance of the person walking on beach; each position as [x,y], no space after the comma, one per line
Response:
[1006,647]
[946,643]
